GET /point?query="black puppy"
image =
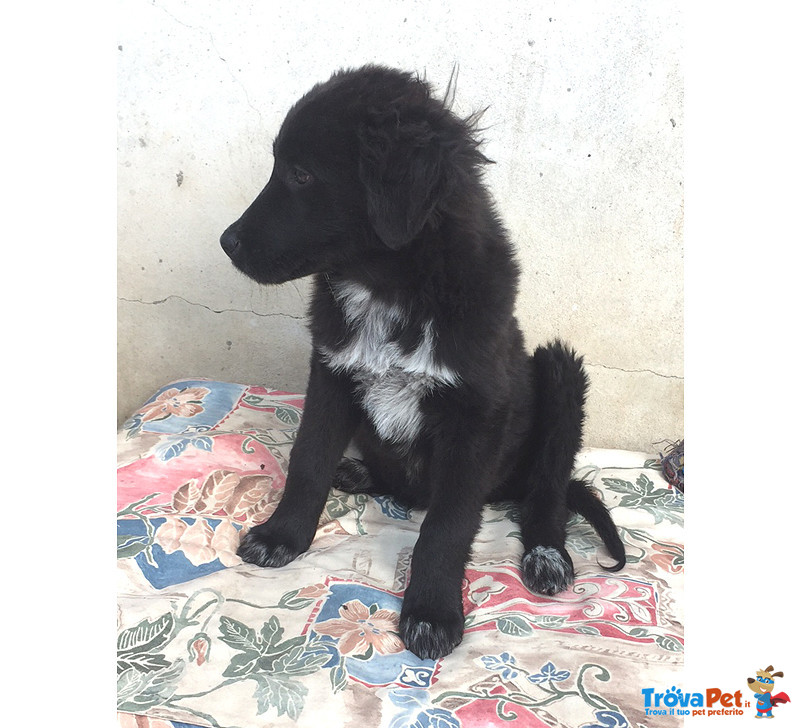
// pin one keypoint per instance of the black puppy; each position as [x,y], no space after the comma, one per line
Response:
[417,357]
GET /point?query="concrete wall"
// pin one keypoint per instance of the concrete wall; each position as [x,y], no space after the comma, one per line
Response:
[585,125]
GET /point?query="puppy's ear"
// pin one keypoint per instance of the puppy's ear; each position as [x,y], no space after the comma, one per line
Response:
[402,168]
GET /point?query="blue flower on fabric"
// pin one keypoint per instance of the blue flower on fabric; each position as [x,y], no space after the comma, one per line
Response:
[502,663]
[549,673]
[608,719]
[415,714]
[435,718]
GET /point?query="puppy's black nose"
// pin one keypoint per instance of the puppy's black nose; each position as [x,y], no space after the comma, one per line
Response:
[229,241]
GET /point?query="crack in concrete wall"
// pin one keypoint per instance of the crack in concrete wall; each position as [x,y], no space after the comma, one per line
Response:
[208,308]
[635,371]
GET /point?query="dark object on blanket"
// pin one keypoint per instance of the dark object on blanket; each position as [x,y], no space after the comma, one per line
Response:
[672,465]
[417,357]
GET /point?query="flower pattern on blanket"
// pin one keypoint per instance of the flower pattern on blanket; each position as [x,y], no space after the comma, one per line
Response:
[151,665]
[358,625]
[200,527]
[204,639]
[188,406]
[198,541]
[362,630]
[186,402]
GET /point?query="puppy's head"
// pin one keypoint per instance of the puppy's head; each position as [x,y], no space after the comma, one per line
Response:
[363,164]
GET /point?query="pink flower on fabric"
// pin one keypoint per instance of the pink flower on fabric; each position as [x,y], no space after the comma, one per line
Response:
[360,629]
[313,591]
[173,401]
[199,648]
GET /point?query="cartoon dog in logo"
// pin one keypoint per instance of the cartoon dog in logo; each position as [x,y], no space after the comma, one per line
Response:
[762,685]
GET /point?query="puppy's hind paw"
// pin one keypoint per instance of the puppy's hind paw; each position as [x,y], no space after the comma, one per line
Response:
[352,476]
[547,570]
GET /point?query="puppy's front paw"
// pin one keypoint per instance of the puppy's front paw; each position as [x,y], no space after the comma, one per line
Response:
[547,570]
[429,635]
[263,546]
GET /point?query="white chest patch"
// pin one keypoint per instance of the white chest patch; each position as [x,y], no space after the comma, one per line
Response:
[391,382]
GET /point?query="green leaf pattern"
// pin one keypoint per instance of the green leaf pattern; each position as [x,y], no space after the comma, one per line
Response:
[147,678]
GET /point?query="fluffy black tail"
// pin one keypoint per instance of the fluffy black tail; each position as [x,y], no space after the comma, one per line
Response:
[582,501]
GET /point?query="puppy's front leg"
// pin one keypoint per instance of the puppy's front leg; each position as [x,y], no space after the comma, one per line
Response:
[329,421]
[432,617]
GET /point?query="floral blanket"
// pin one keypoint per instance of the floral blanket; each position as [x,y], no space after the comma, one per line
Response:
[205,640]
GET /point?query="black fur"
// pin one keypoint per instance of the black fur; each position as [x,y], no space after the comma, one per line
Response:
[417,357]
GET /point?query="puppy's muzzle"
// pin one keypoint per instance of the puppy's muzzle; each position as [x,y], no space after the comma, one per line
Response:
[229,241]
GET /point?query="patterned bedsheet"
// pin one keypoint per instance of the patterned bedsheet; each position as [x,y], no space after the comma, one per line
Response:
[206,640]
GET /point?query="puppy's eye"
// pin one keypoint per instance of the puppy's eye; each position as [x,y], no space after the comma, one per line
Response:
[300,177]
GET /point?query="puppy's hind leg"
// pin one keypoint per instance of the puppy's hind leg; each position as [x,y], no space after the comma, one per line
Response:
[559,385]
[352,476]
[370,467]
